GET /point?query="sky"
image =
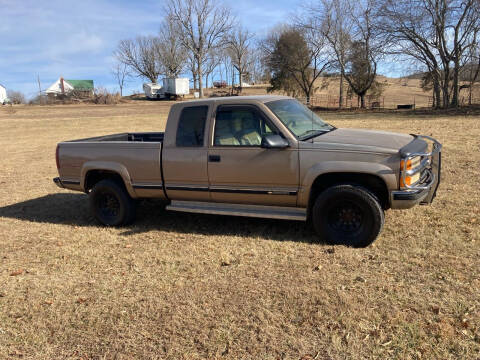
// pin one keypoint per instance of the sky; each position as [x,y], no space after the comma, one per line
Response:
[76,39]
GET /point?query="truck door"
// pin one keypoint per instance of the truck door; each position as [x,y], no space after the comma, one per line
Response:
[184,154]
[240,170]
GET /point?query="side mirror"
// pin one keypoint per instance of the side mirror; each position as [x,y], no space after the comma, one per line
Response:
[274,142]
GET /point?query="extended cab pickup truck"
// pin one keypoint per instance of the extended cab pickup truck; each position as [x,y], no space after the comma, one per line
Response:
[261,156]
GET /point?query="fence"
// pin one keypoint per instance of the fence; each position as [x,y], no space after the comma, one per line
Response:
[333,102]
[463,101]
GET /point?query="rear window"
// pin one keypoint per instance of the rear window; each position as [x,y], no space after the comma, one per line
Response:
[191,126]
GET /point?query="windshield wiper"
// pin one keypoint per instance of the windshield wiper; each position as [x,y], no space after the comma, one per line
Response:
[310,134]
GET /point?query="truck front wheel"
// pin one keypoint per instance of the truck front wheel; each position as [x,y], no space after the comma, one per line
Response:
[348,215]
[110,203]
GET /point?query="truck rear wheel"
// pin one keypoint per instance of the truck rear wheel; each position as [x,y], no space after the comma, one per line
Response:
[110,203]
[348,215]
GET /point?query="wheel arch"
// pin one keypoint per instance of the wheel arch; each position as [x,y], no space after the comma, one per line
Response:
[371,182]
[328,173]
[93,172]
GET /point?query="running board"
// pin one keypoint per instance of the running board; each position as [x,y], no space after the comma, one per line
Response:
[259,211]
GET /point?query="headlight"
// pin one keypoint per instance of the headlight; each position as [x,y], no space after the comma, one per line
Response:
[409,168]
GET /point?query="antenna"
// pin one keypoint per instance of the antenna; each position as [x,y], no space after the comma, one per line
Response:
[311,115]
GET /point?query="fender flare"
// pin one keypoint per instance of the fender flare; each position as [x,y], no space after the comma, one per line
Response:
[385,173]
[108,166]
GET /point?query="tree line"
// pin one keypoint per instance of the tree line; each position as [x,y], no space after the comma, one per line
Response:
[198,36]
[345,38]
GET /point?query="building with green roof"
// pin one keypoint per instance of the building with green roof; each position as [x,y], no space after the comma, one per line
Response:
[77,88]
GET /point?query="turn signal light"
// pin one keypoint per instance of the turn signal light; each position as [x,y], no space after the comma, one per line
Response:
[408,181]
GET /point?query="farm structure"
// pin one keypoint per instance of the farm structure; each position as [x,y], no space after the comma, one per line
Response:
[68,88]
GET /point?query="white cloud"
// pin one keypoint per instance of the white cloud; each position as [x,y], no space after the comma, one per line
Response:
[81,42]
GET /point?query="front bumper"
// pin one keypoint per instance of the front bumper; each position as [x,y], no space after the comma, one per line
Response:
[408,199]
[424,192]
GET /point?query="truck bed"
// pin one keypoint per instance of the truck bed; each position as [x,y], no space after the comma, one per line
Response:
[134,156]
[125,137]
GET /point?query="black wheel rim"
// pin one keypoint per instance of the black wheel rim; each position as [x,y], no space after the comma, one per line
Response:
[346,217]
[108,205]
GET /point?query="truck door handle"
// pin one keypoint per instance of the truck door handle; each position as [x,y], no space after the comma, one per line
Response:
[213,158]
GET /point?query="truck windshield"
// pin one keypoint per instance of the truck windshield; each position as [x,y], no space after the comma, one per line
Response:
[299,119]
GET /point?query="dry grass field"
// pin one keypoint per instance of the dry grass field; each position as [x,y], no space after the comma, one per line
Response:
[184,286]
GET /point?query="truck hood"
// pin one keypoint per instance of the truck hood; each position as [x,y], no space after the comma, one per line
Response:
[367,140]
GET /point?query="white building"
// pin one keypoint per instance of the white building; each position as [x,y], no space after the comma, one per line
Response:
[3,94]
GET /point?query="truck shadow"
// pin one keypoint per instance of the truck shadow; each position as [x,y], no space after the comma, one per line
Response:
[73,209]
[68,209]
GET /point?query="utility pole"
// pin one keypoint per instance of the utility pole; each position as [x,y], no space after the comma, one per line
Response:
[39,87]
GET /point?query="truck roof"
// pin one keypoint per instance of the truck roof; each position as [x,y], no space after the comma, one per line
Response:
[240,99]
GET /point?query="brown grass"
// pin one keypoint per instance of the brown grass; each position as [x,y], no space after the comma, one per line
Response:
[176,286]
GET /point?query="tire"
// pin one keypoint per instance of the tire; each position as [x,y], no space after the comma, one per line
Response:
[347,215]
[111,205]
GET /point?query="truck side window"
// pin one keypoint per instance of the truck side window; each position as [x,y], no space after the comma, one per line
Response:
[239,127]
[191,126]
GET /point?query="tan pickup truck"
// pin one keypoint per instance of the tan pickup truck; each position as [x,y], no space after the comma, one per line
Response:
[261,156]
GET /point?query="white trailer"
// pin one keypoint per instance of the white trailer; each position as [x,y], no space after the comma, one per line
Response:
[176,86]
[3,95]
[154,91]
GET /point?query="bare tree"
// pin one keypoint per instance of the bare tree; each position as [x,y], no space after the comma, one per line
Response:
[256,65]
[121,73]
[221,68]
[203,27]
[211,63]
[172,54]
[329,17]
[357,44]
[337,28]
[436,33]
[238,49]
[16,97]
[464,22]
[192,66]
[141,55]
[471,70]
[413,36]
[225,68]
[350,28]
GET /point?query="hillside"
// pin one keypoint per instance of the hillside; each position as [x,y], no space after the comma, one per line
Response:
[396,91]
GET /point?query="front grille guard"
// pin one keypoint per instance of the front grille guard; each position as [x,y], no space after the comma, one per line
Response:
[430,164]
